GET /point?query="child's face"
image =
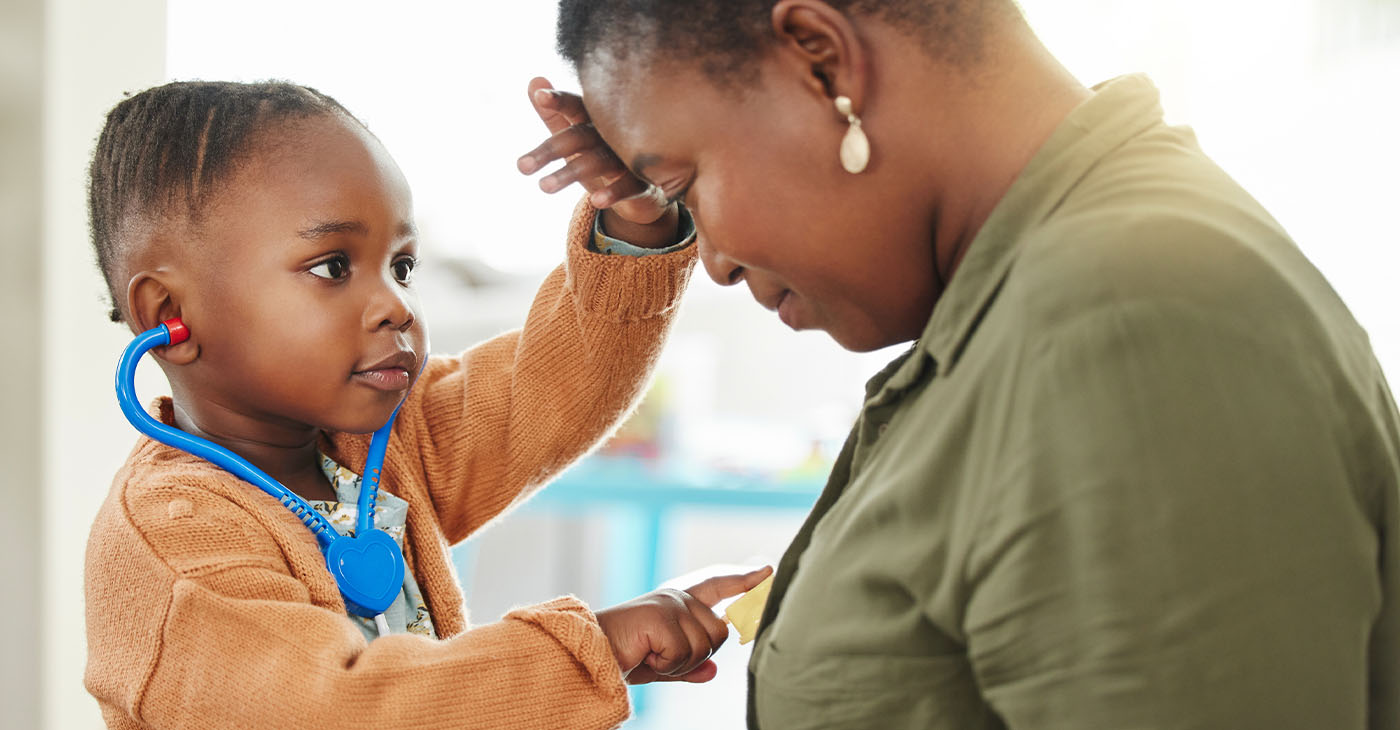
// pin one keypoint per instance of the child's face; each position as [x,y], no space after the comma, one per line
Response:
[302,304]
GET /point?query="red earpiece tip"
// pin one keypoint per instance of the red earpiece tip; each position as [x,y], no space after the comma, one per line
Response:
[178,331]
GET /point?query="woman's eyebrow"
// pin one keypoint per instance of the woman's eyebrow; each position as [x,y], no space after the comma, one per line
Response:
[330,228]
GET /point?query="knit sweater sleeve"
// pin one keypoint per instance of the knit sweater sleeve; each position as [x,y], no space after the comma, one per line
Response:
[235,638]
[484,428]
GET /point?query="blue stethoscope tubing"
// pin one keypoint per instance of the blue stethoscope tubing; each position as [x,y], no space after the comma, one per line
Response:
[368,568]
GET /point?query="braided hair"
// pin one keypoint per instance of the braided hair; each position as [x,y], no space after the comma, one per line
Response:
[725,36]
[166,150]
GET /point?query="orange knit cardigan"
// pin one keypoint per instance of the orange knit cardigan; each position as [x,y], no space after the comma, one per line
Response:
[209,604]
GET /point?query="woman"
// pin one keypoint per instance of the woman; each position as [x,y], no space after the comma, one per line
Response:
[1140,467]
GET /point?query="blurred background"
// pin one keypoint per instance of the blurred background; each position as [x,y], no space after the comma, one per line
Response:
[1298,99]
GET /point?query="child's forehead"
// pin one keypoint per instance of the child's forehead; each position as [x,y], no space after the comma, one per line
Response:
[319,163]
[322,138]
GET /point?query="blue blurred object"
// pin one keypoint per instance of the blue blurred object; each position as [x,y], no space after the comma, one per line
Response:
[637,497]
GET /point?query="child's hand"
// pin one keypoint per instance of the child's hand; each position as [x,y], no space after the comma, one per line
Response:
[669,635]
[634,210]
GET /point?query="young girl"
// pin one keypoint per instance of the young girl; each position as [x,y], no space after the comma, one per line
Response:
[280,231]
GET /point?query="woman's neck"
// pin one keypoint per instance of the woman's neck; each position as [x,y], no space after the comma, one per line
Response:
[986,130]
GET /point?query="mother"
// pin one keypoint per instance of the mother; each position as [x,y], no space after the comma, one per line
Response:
[1139,469]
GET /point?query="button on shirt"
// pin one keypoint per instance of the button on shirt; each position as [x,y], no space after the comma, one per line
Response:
[1139,471]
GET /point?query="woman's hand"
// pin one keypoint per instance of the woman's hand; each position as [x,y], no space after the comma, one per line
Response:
[634,211]
[669,635]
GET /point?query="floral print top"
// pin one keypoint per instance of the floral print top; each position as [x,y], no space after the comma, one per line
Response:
[409,612]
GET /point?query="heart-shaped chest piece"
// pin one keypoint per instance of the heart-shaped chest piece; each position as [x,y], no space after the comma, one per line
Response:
[369,569]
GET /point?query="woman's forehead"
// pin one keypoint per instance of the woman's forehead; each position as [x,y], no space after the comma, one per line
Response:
[646,111]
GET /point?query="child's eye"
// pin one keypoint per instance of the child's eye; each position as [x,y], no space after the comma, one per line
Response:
[403,269]
[336,268]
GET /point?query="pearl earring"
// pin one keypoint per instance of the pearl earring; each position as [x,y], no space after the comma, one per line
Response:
[855,146]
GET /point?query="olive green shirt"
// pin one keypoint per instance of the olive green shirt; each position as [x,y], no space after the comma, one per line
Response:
[1139,472]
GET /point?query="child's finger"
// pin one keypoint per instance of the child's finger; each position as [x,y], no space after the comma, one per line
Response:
[644,674]
[544,105]
[703,673]
[559,110]
[714,626]
[714,590]
[560,146]
[671,645]
[634,199]
[596,168]
[681,657]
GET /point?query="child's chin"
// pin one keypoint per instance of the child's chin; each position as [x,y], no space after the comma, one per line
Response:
[363,423]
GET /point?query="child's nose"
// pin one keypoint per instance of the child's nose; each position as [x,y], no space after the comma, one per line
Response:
[391,307]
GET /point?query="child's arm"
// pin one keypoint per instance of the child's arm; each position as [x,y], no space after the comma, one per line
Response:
[484,428]
[670,635]
[199,618]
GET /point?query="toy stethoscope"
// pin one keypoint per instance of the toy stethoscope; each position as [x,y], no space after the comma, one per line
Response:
[368,568]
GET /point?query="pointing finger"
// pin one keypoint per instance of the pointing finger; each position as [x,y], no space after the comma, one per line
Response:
[714,590]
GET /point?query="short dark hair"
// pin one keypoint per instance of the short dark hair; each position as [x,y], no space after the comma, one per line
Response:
[725,35]
[167,149]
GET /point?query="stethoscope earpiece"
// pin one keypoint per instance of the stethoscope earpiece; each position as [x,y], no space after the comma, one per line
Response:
[177,329]
[368,568]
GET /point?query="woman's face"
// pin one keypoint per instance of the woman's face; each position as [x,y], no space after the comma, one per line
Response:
[825,249]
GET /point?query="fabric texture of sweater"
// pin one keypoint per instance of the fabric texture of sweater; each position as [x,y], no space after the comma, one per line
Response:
[209,604]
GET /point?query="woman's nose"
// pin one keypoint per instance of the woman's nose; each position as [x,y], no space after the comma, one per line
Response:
[721,268]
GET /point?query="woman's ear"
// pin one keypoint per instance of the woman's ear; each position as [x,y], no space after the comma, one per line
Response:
[152,297]
[821,41]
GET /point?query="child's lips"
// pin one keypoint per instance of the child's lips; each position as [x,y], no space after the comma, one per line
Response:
[391,373]
[387,379]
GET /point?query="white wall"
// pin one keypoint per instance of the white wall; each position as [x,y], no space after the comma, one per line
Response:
[93,52]
[21,71]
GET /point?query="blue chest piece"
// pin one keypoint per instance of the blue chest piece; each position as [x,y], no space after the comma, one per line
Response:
[368,568]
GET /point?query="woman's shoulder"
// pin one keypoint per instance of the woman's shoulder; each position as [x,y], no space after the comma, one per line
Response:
[1173,268]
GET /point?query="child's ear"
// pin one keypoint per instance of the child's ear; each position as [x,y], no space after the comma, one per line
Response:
[153,297]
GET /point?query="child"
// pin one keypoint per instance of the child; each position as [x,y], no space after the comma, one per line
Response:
[280,231]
